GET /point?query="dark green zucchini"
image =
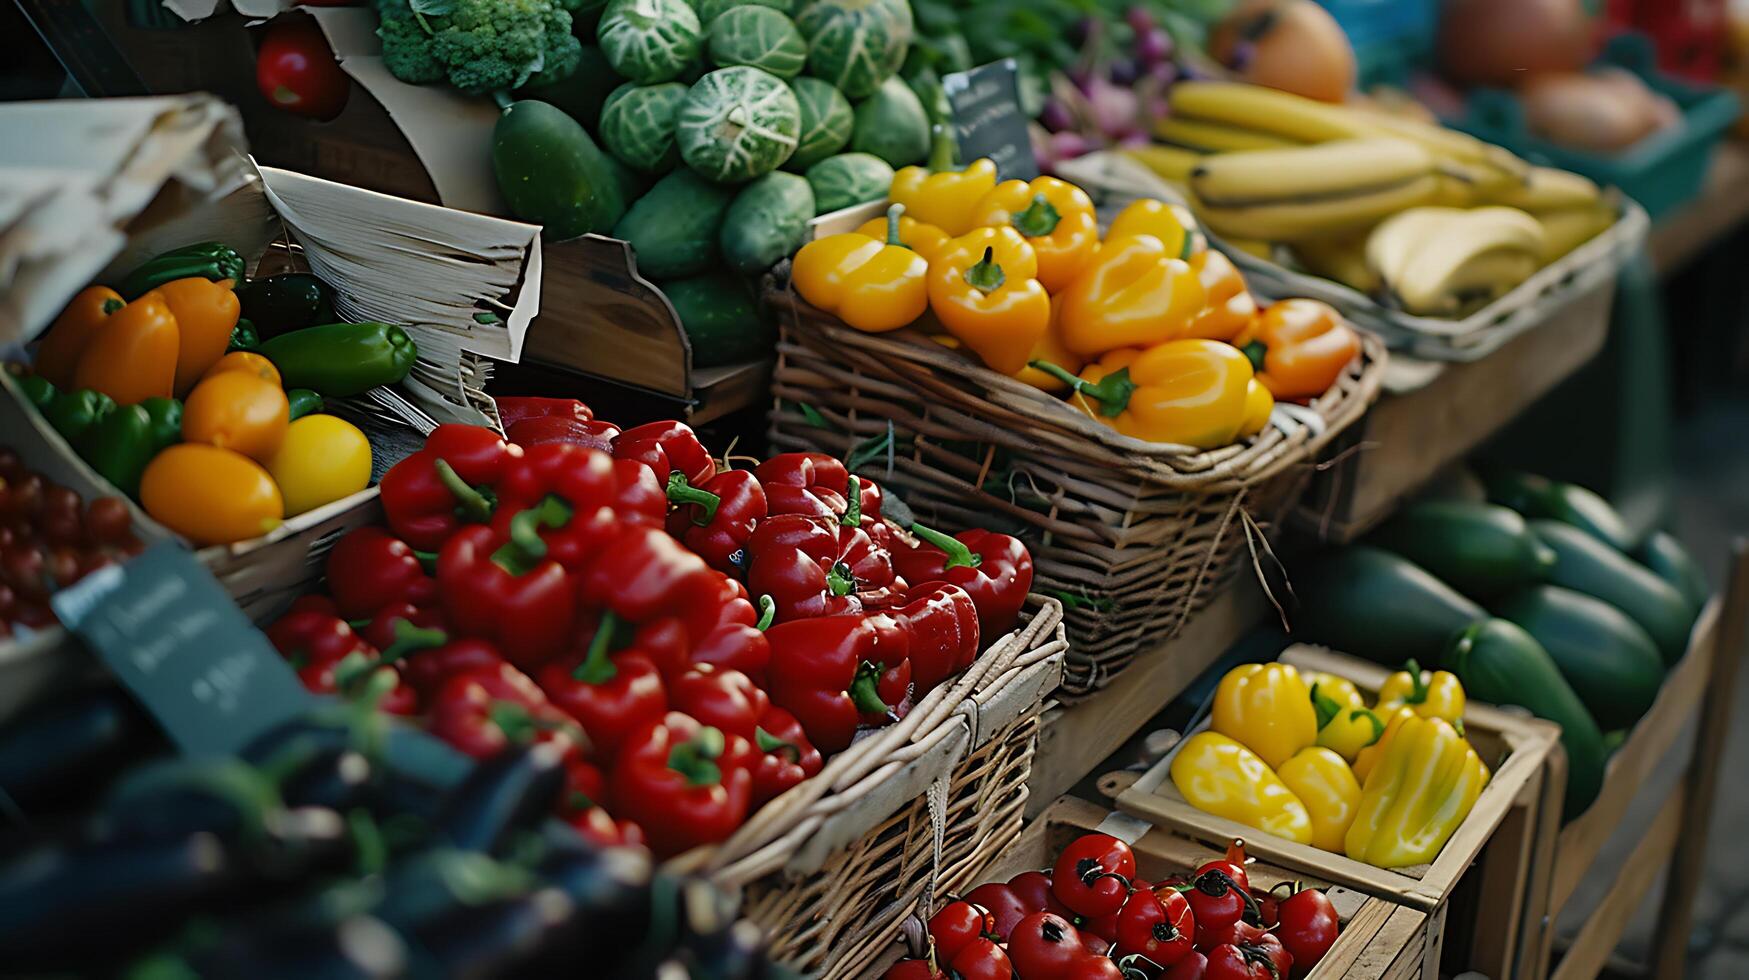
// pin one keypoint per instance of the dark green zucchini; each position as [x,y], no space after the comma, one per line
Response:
[1377,605]
[1481,550]
[1585,564]
[1569,503]
[1606,657]
[1670,561]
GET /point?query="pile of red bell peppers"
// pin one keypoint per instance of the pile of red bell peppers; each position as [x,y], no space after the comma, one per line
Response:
[697,638]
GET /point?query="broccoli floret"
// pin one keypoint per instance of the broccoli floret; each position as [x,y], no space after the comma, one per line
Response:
[408,52]
[564,52]
[479,46]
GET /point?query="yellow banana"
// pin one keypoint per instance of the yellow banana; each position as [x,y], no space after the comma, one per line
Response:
[1295,221]
[1266,110]
[1446,143]
[1342,168]
[1214,137]
[1394,242]
[1169,162]
[1339,258]
[1568,228]
[1475,255]
[1547,189]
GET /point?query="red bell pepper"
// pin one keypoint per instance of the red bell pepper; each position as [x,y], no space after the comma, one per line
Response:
[716,625]
[683,782]
[814,485]
[590,434]
[427,670]
[672,450]
[721,698]
[598,827]
[313,602]
[943,625]
[332,659]
[505,589]
[369,568]
[717,524]
[516,408]
[784,757]
[840,672]
[401,629]
[995,569]
[813,567]
[484,711]
[610,695]
[431,494]
[587,497]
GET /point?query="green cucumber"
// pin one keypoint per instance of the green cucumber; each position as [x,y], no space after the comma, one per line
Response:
[721,319]
[1480,550]
[1373,604]
[1585,564]
[674,227]
[767,221]
[1499,663]
[1606,657]
[1670,561]
[1569,503]
[551,173]
[892,125]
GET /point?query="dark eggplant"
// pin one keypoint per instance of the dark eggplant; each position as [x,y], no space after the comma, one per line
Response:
[507,794]
[171,799]
[734,953]
[611,888]
[355,948]
[61,753]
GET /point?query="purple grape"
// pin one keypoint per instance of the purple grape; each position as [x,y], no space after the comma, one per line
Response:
[1153,47]
[1124,73]
[1056,116]
[1139,19]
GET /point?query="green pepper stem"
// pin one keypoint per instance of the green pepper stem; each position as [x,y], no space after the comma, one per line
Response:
[1039,219]
[111,305]
[986,276]
[865,690]
[1325,706]
[469,502]
[427,560]
[852,502]
[680,492]
[514,721]
[1378,725]
[1418,685]
[772,745]
[840,581]
[1255,352]
[696,758]
[767,613]
[942,150]
[411,639]
[893,214]
[596,668]
[1112,392]
[958,555]
[525,548]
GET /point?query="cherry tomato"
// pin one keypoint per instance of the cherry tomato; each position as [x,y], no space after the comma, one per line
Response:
[1043,946]
[1094,944]
[107,520]
[913,970]
[982,959]
[1248,962]
[1034,889]
[1216,902]
[1156,925]
[956,925]
[1236,934]
[1194,966]
[1005,907]
[1092,875]
[1308,927]
[1090,967]
[296,71]
[1268,909]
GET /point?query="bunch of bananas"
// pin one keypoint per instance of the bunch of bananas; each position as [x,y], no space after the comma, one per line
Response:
[1427,219]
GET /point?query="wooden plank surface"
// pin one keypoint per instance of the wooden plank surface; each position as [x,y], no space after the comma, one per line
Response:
[1076,739]
[1596,940]
[1720,209]
[1405,440]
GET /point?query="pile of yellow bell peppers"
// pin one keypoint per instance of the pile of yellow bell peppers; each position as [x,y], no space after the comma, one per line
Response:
[1147,331]
[1303,757]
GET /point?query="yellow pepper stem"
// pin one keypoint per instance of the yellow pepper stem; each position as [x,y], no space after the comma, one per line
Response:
[1112,392]
[986,276]
[1039,219]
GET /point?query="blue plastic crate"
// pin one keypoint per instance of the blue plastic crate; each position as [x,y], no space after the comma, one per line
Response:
[1389,36]
[1662,171]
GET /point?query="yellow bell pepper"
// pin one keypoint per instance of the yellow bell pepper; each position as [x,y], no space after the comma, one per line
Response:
[940,195]
[1424,787]
[1133,294]
[1368,758]
[1220,776]
[983,288]
[1228,308]
[58,354]
[1429,693]
[1342,727]
[1267,708]
[1327,787]
[1147,216]
[1259,403]
[1057,219]
[1186,392]
[872,285]
[924,239]
[1335,687]
[1050,348]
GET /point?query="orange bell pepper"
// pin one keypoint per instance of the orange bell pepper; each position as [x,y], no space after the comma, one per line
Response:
[58,354]
[1147,216]
[1228,309]
[872,284]
[1133,295]
[1299,347]
[983,288]
[133,357]
[924,239]
[1057,219]
[206,312]
[1184,392]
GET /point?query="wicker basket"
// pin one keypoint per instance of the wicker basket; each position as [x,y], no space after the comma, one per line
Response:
[916,810]
[1133,536]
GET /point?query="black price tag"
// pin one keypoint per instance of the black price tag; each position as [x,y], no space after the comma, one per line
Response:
[173,637]
[988,120]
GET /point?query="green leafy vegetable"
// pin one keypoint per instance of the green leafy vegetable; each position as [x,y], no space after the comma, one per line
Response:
[738,123]
[650,41]
[637,125]
[479,46]
[759,37]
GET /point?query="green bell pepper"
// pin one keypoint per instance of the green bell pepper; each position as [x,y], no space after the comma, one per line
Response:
[243,337]
[303,402]
[72,412]
[208,260]
[123,442]
[283,303]
[342,359]
[38,390]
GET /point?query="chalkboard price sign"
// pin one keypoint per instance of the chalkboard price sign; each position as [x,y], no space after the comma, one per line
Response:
[988,120]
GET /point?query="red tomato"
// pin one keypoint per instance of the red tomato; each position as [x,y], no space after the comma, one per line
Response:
[1095,945]
[1308,927]
[1156,925]
[913,970]
[1005,907]
[1034,888]
[1091,967]
[1092,875]
[296,71]
[982,959]
[1217,901]
[956,925]
[1265,959]
[1193,967]
[1043,946]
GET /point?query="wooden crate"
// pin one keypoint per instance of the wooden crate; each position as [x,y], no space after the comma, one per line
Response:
[1406,439]
[1380,939]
